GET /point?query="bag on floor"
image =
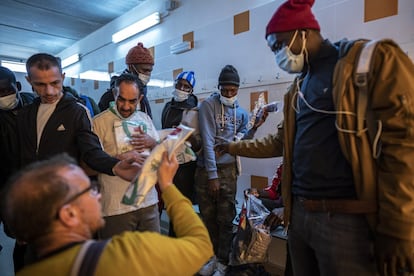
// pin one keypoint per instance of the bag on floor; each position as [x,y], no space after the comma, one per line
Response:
[253,237]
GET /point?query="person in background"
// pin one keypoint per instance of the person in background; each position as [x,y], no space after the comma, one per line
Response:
[343,217]
[140,62]
[220,118]
[118,216]
[271,195]
[68,213]
[84,99]
[108,96]
[171,116]
[11,101]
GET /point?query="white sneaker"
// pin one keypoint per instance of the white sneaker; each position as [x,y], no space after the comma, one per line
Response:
[209,267]
[221,269]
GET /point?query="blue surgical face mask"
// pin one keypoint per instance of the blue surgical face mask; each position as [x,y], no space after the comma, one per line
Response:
[180,96]
[288,61]
[228,101]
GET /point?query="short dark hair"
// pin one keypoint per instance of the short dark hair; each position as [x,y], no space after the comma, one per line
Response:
[43,61]
[32,196]
[127,78]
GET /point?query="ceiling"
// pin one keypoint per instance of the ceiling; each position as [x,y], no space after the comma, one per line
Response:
[32,26]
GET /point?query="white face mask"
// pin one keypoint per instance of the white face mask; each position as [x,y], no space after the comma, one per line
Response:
[180,96]
[228,101]
[144,78]
[290,62]
[8,102]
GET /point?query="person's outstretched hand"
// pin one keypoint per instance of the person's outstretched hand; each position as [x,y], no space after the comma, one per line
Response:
[394,256]
[139,158]
[166,170]
[129,167]
[221,148]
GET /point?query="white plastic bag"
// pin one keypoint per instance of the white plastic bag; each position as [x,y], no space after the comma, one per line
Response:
[253,237]
[147,178]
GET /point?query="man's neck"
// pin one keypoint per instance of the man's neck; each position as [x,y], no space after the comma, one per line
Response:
[56,240]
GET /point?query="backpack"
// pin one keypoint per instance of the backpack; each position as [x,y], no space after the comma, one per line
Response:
[359,127]
[86,101]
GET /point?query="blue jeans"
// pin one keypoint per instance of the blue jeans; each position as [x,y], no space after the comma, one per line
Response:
[328,244]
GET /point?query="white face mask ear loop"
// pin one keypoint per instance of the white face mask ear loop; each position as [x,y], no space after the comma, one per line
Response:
[293,39]
[304,49]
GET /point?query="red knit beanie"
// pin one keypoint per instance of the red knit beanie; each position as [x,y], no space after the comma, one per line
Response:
[139,55]
[293,15]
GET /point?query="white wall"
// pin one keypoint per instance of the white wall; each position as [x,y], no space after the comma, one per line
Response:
[216,46]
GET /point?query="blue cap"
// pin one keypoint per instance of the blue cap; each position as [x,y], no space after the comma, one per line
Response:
[188,76]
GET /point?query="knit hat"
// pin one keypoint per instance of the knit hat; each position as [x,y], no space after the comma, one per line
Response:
[188,76]
[293,15]
[229,75]
[139,55]
[6,74]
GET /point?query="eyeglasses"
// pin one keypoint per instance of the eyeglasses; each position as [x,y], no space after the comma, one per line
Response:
[93,189]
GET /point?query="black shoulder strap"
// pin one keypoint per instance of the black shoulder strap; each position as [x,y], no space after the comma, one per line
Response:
[87,258]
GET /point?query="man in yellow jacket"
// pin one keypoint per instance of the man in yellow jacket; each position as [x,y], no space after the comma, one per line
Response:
[52,206]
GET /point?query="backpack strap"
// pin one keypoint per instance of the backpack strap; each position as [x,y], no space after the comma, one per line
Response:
[87,258]
[88,104]
[361,76]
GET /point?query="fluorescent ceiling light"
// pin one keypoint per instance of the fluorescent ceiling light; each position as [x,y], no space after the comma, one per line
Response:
[70,60]
[180,47]
[137,27]
[95,75]
[14,66]
[160,83]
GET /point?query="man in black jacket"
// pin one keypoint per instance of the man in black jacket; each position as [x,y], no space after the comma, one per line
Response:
[11,101]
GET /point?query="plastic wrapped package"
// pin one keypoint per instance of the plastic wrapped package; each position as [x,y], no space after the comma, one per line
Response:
[147,178]
[252,239]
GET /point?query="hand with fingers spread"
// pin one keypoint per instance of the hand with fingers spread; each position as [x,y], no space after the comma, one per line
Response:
[142,141]
[128,168]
